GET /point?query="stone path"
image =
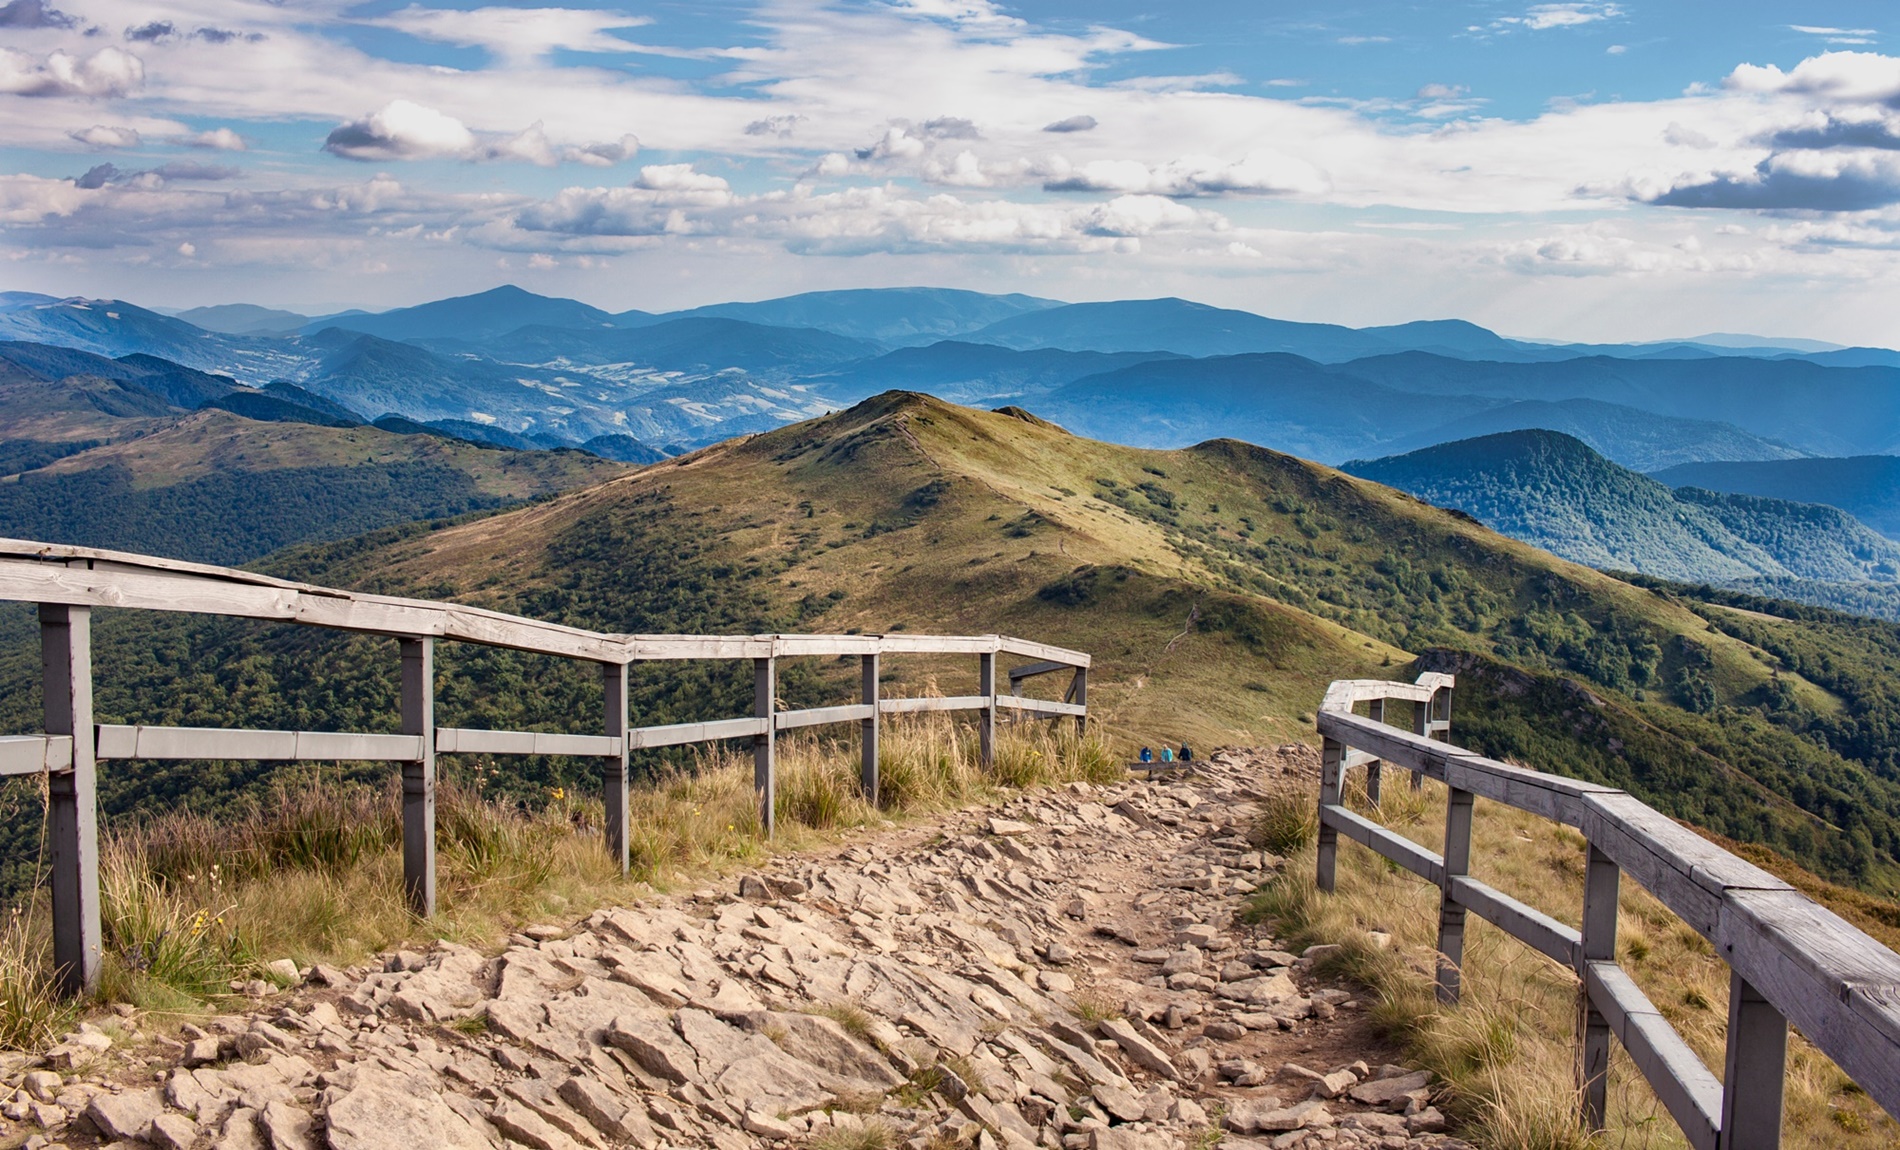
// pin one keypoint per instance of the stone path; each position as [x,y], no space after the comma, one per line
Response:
[1064,971]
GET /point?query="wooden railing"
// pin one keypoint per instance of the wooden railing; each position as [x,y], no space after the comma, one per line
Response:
[68,582]
[1790,959]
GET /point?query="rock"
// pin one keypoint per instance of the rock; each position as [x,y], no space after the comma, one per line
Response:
[1222,1031]
[127,1115]
[1337,1083]
[1000,826]
[284,972]
[174,1132]
[544,932]
[379,1114]
[1426,1121]
[240,1131]
[767,1126]
[523,1125]
[201,1052]
[323,974]
[753,887]
[1184,961]
[1058,954]
[1137,1048]
[1119,1103]
[42,1084]
[1320,952]
[1129,1138]
[1188,1111]
[611,1116]
[1390,1093]
[1243,1114]
[655,1046]
[1055,982]
[287,1127]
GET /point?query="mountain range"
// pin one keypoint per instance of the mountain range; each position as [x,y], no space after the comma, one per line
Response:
[1219,587]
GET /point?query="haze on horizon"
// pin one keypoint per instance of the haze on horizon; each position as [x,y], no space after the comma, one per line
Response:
[1576,170]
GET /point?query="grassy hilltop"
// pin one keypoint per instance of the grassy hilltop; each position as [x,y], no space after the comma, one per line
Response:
[1219,587]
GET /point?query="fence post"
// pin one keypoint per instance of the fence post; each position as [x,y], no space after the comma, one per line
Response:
[1451,913]
[867,741]
[765,744]
[1332,754]
[986,718]
[1079,694]
[1375,770]
[1602,879]
[66,676]
[1755,1069]
[613,769]
[1421,726]
[418,776]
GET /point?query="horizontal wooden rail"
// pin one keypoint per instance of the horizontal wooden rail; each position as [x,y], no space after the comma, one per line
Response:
[35,754]
[1793,961]
[69,582]
[158,743]
[464,741]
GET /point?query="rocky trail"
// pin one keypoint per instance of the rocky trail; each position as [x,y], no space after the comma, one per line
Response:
[1065,971]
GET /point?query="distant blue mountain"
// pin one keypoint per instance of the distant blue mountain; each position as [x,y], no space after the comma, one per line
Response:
[1177,325]
[243,319]
[1632,437]
[890,316]
[692,343]
[975,372]
[113,328]
[473,317]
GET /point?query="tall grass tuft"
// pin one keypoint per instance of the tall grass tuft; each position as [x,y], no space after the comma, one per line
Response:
[31,1012]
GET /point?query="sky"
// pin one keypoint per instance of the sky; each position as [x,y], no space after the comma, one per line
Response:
[1578,170]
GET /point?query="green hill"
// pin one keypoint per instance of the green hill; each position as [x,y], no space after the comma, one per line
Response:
[1554,492]
[1865,486]
[1219,587]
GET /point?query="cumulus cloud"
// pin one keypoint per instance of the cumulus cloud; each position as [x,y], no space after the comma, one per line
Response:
[1862,77]
[897,143]
[1845,128]
[1829,181]
[177,171]
[682,178]
[963,171]
[106,73]
[1072,124]
[106,136]
[33,14]
[1140,215]
[1257,173]
[402,130]
[214,139]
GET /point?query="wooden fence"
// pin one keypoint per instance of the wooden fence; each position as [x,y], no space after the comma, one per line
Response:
[68,582]
[1790,959]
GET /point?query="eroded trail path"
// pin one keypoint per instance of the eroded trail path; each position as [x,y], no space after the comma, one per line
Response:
[1062,971]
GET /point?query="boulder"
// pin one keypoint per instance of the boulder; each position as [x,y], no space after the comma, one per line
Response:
[127,1115]
[379,1113]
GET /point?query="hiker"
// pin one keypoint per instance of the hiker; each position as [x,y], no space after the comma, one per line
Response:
[1167,754]
[1147,756]
[1186,755]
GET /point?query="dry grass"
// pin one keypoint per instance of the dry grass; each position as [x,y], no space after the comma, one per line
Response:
[314,874]
[1507,1051]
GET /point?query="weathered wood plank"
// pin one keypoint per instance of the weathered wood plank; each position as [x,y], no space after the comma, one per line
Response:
[1049,652]
[677,734]
[1040,706]
[1687,872]
[1031,670]
[786,646]
[1392,845]
[938,644]
[1686,1088]
[72,808]
[468,741]
[818,716]
[1345,694]
[934,703]
[173,743]
[656,648]
[35,754]
[1837,985]
[1528,925]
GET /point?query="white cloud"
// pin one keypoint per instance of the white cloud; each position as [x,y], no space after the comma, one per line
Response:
[1139,215]
[1261,172]
[215,139]
[106,136]
[682,178]
[106,73]
[402,130]
[964,171]
[517,35]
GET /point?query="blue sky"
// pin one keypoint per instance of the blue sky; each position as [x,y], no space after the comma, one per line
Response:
[1585,170]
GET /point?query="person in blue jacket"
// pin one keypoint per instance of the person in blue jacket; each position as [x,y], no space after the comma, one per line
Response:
[1147,756]
[1167,754]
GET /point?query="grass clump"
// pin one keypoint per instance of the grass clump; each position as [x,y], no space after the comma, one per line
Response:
[1286,823]
[852,1017]
[1505,1052]
[867,1135]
